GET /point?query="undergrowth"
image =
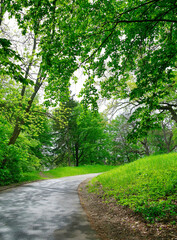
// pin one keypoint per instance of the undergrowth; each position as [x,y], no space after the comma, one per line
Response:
[148,186]
[31,176]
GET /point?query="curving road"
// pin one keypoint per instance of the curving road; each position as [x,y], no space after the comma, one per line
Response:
[46,210]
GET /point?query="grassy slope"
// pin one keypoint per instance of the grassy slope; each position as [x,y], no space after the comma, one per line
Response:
[148,186]
[65,171]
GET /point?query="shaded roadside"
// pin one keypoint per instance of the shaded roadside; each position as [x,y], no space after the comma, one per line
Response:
[14,185]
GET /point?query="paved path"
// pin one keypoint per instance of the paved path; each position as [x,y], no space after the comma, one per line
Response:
[45,210]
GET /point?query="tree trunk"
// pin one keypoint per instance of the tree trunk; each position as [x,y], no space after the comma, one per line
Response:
[69,153]
[165,137]
[146,147]
[1,11]
[15,133]
[77,154]
[19,123]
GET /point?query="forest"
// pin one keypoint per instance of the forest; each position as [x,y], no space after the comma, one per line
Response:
[126,51]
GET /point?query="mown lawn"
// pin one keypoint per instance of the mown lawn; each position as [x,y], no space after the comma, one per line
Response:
[148,186]
[72,171]
[65,172]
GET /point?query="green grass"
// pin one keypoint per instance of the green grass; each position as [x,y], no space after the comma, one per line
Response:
[64,172]
[148,186]
[31,176]
[72,171]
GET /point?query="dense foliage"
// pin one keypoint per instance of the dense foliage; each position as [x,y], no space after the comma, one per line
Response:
[81,138]
[134,58]
[127,50]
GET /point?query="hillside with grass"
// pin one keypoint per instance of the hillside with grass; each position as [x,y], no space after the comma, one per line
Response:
[148,186]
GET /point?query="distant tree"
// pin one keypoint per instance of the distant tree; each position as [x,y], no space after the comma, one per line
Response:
[124,150]
[161,140]
[81,139]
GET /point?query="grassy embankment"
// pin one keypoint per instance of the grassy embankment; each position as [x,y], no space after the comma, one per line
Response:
[65,172]
[148,186]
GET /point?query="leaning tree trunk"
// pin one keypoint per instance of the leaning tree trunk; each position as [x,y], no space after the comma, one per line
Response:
[19,123]
[16,132]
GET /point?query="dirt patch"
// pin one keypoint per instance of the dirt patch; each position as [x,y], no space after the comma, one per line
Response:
[115,222]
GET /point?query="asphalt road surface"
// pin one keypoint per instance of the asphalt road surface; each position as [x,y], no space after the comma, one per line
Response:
[45,210]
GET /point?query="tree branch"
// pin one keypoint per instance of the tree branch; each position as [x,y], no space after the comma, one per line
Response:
[129,21]
[29,66]
[146,20]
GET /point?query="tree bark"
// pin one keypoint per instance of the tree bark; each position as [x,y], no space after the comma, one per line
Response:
[1,11]
[165,138]
[19,122]
[146,147]
[16,132]
[77,154]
